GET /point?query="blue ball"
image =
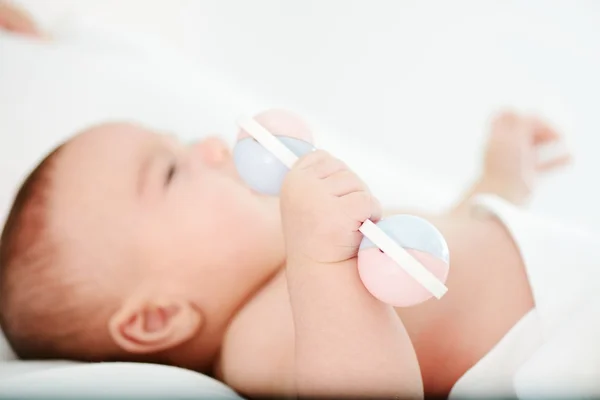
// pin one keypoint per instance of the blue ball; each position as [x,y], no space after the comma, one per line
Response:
[260,169]
[414,233]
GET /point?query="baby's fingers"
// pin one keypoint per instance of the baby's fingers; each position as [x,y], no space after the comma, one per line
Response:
[542,132]
[320,163]
[345,182]
[361,206]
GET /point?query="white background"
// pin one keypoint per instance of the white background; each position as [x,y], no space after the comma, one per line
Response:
[416,80]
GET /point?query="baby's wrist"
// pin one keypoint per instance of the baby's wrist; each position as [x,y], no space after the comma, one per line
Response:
[508,190]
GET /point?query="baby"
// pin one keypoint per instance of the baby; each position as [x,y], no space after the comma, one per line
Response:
[125,244]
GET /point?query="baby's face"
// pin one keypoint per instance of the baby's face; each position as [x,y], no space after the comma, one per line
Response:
[138,210]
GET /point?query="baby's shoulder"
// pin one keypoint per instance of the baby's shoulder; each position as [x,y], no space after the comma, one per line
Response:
[258,348]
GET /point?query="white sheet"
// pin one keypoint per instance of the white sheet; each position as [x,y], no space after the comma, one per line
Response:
[553,350]
[114,380]
[568,364]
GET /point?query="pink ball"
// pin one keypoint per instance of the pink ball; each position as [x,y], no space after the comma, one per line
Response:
[389,283]
[282,123]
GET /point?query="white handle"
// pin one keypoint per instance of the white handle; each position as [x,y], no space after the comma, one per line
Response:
[412,267]
[269,142]
[552,151]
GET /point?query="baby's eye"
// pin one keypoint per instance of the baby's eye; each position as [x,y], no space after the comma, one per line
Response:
[171,171]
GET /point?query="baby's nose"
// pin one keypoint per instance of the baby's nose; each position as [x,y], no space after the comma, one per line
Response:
[213,151]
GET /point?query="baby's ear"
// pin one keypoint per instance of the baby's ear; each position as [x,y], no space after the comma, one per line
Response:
[146,325]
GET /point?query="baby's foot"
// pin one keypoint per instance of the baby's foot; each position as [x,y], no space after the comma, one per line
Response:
[511,162]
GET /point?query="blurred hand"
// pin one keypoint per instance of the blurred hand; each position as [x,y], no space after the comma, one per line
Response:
[323,204]
[511,163]
[16,20]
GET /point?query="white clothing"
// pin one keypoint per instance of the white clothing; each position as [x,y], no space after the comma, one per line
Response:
[552,350]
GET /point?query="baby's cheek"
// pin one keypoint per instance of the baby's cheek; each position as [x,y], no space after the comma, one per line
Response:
[222,213]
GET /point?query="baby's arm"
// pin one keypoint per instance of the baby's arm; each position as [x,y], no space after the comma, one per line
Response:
[512,160]
[347,342]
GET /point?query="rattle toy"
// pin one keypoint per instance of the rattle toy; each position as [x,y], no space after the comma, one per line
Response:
[552,151]
[403,260]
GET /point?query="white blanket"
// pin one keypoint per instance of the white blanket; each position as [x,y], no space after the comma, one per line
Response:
[113,380]
[554,350]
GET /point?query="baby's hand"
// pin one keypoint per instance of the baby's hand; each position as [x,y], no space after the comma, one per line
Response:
[323,203]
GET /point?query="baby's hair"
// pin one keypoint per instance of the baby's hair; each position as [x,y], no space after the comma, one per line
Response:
[44,307]
[26,255]
[38,314]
